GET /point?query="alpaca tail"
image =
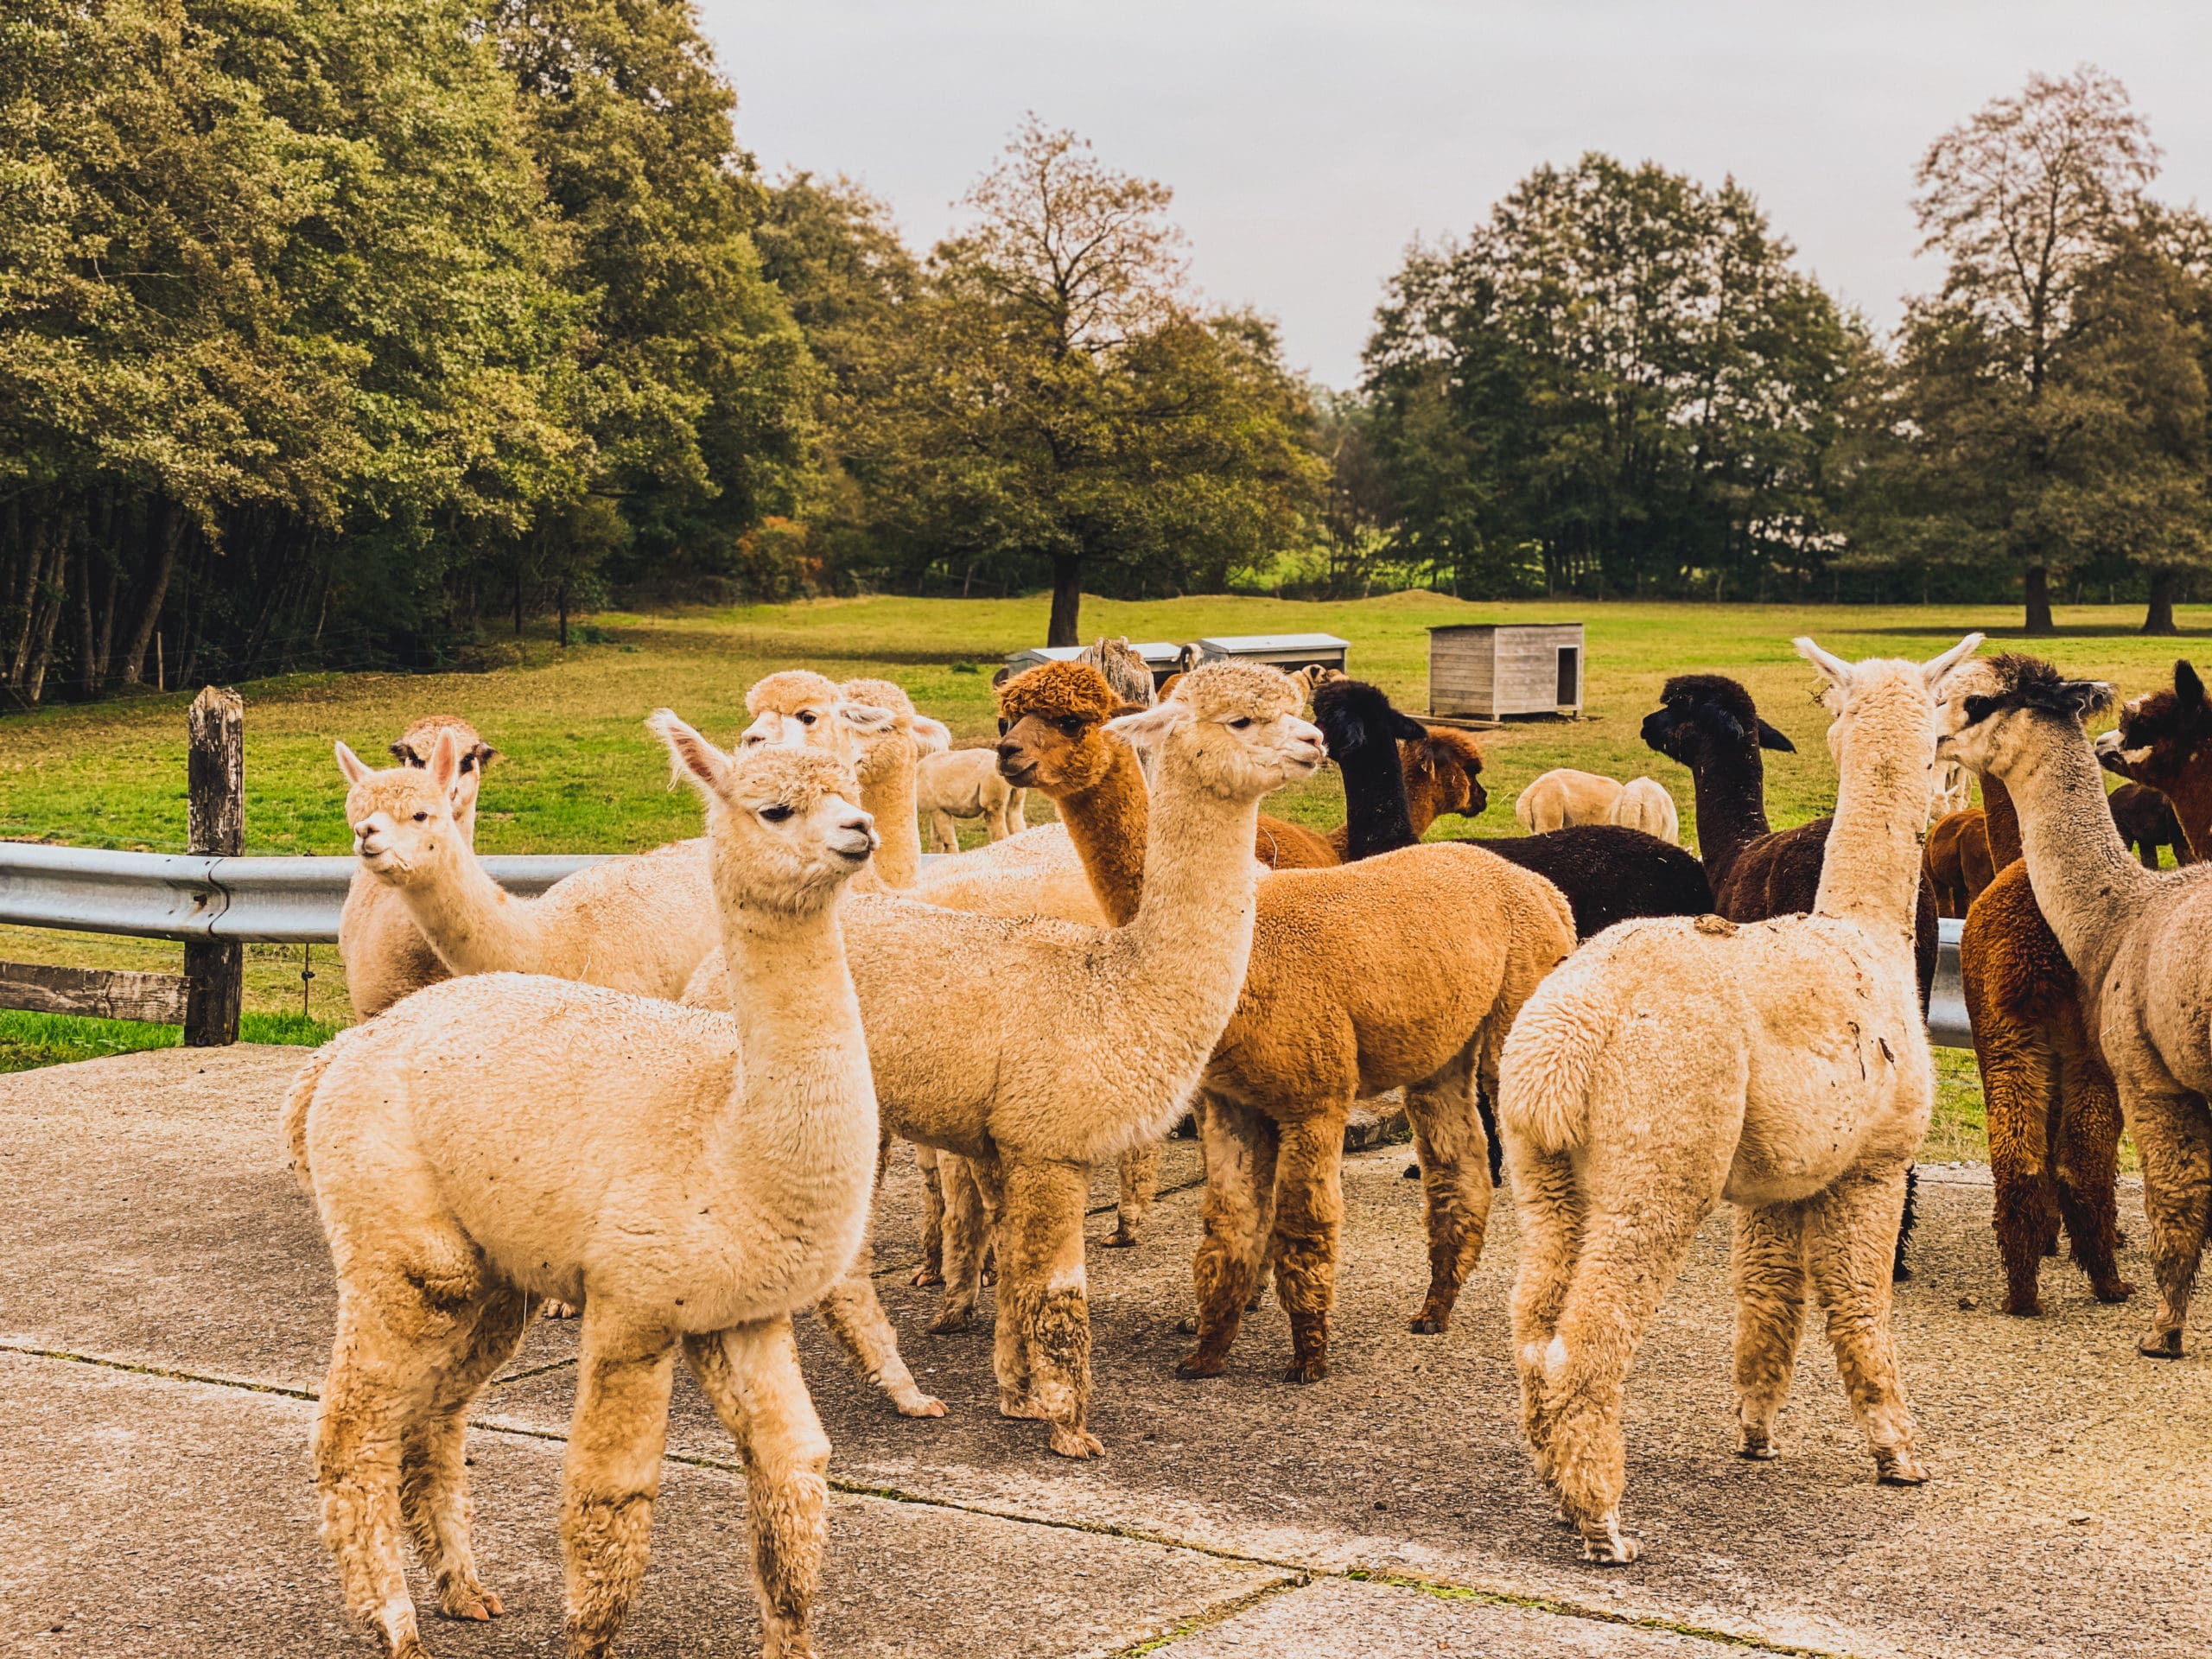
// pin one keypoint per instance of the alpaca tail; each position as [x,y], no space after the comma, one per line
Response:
[1544,1074]
[296,1102]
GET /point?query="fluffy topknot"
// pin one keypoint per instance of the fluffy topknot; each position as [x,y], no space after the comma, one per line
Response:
[413,746]
[878,693]
[799,777]
[1057,690]
[789,691]
[2018,681]
[1717,690]
[1231,687]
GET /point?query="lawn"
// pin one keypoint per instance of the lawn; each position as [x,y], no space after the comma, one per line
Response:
[581,776]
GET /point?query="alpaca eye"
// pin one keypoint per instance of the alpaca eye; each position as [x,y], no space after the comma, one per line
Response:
[775,814]
[1240,722]
[1980,709]
[422,818]
[1071,726]
[805,717]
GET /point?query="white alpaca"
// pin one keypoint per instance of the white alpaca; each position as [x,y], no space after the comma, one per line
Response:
[715,1175]
[965,784]
[1563,797]
[1645,804]
[1954,791]
[1788,1072]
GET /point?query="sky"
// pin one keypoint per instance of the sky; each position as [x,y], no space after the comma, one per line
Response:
[1309,142]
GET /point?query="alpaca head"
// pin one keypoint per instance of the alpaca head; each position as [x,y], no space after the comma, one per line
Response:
[1706,719]
[903,739]
[1448,765]
[799,708]
[1125,671]
[1233,728]
[2163,736]
[1357,719]
[785,834]
[1052,728]
[412,747]
[404,819]
[1997,710]
[1885,696]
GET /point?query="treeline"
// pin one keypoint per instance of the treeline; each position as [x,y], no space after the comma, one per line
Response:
[352,332]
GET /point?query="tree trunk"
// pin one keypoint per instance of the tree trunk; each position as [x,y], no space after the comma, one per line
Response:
[2160,618]
[170,537]
[563,602]
[517,601]
[1067,601]
[2039,600]
[88,670]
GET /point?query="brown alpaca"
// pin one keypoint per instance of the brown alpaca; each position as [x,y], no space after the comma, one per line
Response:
[1322,1020]
[1959,859]
[1443,773]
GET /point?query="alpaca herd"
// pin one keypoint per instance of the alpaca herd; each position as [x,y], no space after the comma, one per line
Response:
[664,1092]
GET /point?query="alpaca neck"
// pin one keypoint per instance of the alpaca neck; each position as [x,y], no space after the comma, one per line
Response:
[1192,931]
[887,793]
[1377,816]
[1731,797]
[1870,872]
[2081,871]
[1108,823]
[2000,821]
[2192,798]
[1424,796]
[475,925]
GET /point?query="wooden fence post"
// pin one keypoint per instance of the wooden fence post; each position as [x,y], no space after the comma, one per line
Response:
[214,969]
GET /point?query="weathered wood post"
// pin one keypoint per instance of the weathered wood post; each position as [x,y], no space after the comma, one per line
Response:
[214,969]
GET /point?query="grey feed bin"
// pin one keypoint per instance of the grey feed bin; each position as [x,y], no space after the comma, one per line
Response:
[1288,652]
[1498,670]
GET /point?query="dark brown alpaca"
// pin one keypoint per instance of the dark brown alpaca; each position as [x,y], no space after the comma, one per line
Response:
[1420,771]
[1958,860]
[2147,822]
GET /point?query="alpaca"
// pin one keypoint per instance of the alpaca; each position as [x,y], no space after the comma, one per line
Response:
[2163,741]
[2135,938]
[1958,859]
[2146,822]
[1645,804]
[1321,1020]
[716,1176]
[965,784]
[888,756]
[1563,797]
[1443,777]
[964,1062]
[1706,722]
[2052,1111]
[1609,874]
[384,954]
[1791,1077]
[1953,789]
[1126,672]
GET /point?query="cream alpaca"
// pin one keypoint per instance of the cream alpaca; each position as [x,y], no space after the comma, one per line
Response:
[716,1174]
[1645,804]
[1563,797]
[965,784]
[1038,1066]
[1791,1077]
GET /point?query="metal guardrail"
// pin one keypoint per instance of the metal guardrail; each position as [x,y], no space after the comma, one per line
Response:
[1947,1003]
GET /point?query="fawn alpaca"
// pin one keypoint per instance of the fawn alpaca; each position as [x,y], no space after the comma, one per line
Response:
[716,1175]
[1791,1077]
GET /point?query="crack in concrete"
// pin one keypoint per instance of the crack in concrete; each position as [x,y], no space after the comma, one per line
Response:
[1297,1574]
[1210,1618]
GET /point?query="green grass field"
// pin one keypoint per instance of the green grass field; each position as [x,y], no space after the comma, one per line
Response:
[581,775]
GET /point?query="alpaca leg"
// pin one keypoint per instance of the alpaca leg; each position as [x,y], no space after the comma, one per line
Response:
[2018,1079]
[358,1433]
[1309,1214]
[1548,1208]
[2088,1166]
[967,1233]
[2176,1141]
[1017,811]
[434,1471]
[1633,1246]
[1042,1305]
[1455,1184]
[1767,1268]
[944,837]
[1241,1147]
[855,1317]
[931,1268]
[751,1376]
[1140,1172]
[1847,1233]
[611,1474]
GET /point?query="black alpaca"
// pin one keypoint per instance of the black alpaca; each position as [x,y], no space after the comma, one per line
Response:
[1362,732]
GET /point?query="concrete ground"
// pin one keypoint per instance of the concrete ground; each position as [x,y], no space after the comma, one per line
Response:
[166,1307]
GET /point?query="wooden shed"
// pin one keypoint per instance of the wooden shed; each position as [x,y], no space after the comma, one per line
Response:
[1288,652]
[1496,670]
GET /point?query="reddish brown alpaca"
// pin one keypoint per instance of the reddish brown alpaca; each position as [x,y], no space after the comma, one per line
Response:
[1311,1032]
[1959,861]
[1443,773]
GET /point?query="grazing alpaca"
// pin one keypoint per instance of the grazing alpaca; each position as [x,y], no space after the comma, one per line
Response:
[2053,1113]
[2137,938]
[716,1175]
[1322,1020]
[1958,859]
[1791,1077]
[965,784]
[1645,804]
[1563,797]
[1610,873]
[1706,722]
[2146,824]
[384,954]
[963,1062]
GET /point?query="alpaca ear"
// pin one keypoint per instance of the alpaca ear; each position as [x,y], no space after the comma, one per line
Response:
[445,761]
[931,736]
[355,769]
[2085,699]
[691,755]
[485,754]
[1304,681]
[865,718]
[1149,725]
[1933,672]
[1407,729]
[1770,738]
[1838,672]
[2187,686]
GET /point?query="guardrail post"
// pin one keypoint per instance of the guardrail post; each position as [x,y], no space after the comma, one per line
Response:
[214,969]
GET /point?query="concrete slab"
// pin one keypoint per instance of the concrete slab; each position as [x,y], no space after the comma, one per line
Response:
[141,1516]
[1343,1620]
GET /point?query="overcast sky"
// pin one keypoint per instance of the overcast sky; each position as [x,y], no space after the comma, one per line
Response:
[1308,141]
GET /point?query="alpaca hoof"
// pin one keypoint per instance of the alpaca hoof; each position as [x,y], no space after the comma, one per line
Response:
[1071,1442]
[920,1405]
[952,1320]
[1020,1407]
[469,1601]
[1604,1544]
[1412,1173]
[1199,1362]
[1900,1274]
[1756,1445]
[1305,1370]
[2113,1290]
[2161,1344]
[2024,1307]
[1894,1467]
[923,1277]
[1188,1325]
[554,1310]
[1121,1238]
[1429,1323]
